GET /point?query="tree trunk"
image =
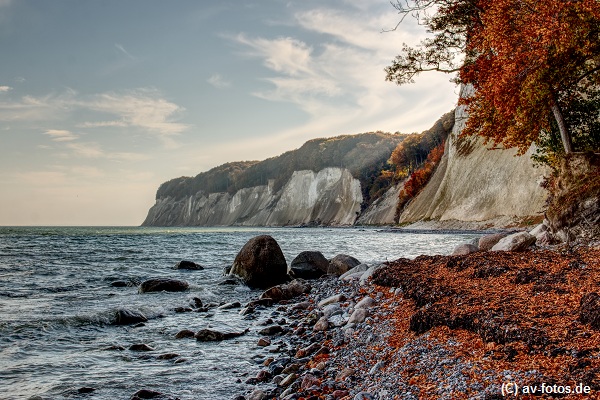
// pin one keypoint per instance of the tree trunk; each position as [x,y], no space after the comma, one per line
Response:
[565,135]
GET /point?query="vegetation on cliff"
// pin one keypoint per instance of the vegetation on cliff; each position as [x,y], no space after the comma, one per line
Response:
[364,155]
[535,70]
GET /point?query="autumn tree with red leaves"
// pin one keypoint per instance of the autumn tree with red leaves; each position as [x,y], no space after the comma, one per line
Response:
[528,61]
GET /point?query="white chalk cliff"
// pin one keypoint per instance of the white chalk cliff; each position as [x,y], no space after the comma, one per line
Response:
[331,196]
[481,185]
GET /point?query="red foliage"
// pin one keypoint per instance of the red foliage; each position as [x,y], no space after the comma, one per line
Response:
[418,179]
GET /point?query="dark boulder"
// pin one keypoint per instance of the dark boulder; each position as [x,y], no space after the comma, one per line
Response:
[128,317]
[286,291]
[189,265]
[341,264]
[163,284]
[309,265]
[140,347]
[212,335]
[260,263]
[150,394]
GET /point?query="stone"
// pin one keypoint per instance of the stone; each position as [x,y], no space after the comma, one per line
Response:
[264,342]
[368,273]
[516,242]
[464,249]
[355,270]
[359,315]
[343,374]
[163,284]
[486,242]
[366,302]
[271,330]
[309,381]
[288,380]
[140,347]
[189,265]
[185,333]
[260,263]
[84,390]
[309,265]
[167,356]
[124,316]
[341,264]
[321,325]
[538,230]
[331,309]
[147,394]
[229,306]
[211,335]
[257,394]
[119,284]
[332,299]
[286,291]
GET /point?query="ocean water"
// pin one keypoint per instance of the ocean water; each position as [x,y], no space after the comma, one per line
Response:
[57,305]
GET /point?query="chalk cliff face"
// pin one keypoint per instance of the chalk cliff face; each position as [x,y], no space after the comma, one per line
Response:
[476,185]
[331,196]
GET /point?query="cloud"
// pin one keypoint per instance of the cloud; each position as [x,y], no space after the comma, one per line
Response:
[58,135]
[340,83]
[122,50]
[5,88]
[141,108]
[95,151]
[144,109]
[218,81]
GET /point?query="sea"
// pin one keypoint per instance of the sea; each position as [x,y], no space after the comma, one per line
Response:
[57,305]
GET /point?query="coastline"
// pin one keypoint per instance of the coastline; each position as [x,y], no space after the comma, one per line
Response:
[442,327]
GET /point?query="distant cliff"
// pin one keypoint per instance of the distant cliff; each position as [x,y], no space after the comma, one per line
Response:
[324,182]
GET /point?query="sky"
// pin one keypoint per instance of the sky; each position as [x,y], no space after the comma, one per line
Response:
[102,101]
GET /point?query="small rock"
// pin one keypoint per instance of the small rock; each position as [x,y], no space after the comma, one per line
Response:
[84,390]
[339,394]
[263,342]
[359,315]
[355,270]
[189,265]
[210,335]
[288,380]
[343,374]
[366,302]
[163,284]
[332,299]
[309,265]
[488,241]
[140,347]
[167,356]
[146,394]
[257,395]
[185,333]
[309,381]
[228,306]
[368,273]
[127,317]
[515,242]
[464,249]
[321,325]
[271,330]
[341,264]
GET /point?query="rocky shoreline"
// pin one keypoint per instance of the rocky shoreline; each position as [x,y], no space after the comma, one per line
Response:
[436,327]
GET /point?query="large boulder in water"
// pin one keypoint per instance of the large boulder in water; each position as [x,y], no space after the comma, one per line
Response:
[260,263]
[163,284]
[309,265]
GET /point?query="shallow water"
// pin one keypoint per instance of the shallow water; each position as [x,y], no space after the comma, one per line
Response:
[57,302]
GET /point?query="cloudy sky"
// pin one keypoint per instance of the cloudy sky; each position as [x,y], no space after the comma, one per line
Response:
[101,101]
